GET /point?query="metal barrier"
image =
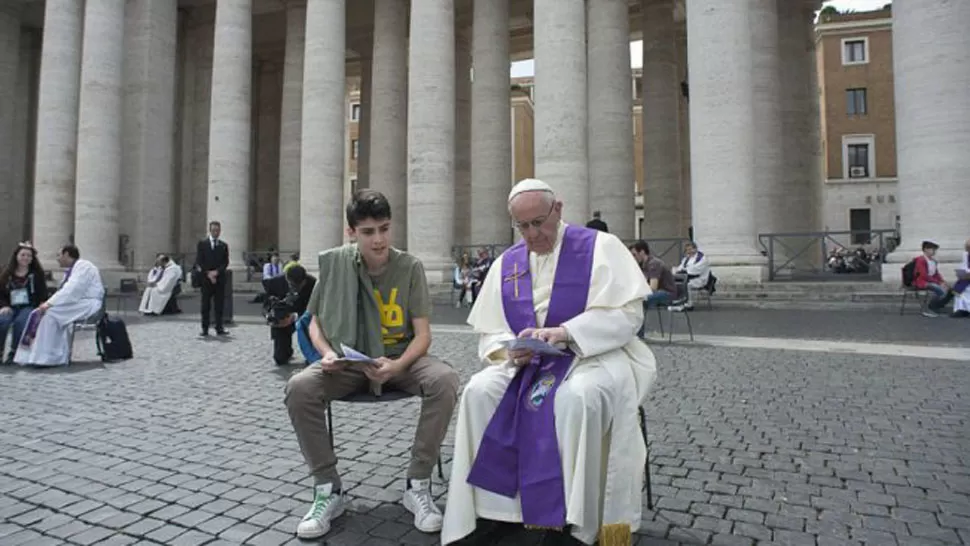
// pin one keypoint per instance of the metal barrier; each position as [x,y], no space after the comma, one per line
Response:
[670,250]
[855,255]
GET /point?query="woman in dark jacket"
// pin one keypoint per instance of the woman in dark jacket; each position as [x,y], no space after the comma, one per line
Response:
[22,289]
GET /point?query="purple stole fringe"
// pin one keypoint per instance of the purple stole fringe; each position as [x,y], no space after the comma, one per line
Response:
[519,452]
[33,320]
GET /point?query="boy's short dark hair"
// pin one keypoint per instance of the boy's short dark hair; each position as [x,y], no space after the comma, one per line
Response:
[930,245]
[367,204]
[641,246]
[72,251]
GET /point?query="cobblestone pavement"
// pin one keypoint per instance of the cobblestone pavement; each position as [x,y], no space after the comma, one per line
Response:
[189,444]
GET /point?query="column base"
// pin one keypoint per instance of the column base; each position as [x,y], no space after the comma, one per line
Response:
[438,270]
[738,268]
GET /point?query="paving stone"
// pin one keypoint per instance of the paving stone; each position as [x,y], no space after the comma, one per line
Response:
[770,444]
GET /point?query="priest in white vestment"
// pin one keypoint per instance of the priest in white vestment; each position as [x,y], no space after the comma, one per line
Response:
[46,339]
[697,268]
[961,302]
[160,285]
[591,483]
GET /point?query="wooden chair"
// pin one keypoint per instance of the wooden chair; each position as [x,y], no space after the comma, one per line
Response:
[676,305]
[368,398]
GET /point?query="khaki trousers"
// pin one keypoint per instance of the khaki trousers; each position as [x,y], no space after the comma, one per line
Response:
[307,394]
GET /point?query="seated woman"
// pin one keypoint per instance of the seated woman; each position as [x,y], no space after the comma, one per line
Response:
[22,289]
[465,282]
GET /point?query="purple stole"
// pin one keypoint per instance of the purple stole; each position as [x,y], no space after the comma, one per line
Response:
[519,452]
[33,320]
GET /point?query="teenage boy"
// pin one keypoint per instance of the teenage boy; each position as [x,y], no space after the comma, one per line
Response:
[929,278]
[373,298]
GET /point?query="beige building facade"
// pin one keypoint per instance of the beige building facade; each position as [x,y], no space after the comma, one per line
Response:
[855,60]
[129,124]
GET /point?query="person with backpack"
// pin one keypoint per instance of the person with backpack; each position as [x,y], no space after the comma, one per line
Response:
[927,276]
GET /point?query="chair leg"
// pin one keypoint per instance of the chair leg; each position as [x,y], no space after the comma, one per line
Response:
[329,411]
[710,306]
[441,471]
[690,328]
[646,466]
[660,319]
[670,330]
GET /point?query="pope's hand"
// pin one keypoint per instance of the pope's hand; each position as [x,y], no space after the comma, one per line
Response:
[384,371]
[520,357]
[329,362]
[551,336]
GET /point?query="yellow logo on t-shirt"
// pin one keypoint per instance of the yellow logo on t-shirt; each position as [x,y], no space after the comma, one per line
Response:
[392,317]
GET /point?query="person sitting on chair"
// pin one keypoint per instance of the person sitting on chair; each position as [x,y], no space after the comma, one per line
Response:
[46,340]
[23,287]
[698,271]
[374,299]
[553,440]
[160,294]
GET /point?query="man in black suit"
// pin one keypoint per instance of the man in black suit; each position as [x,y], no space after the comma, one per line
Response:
[211,262]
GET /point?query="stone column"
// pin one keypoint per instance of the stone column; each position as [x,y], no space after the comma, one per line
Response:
[99,133]
[463,135]
[491,125]
[149,121]
[431,135]
[683,126]
[9,72]
[21,202]
[57,118]
[560,96]
[230,126]
[799,178]
[324,141]
[768,154]
[722,144]
[612,181]
[661,128]
[930,63]
[265,219]
[204,32]
[291,127]
[388,169]
[363,122]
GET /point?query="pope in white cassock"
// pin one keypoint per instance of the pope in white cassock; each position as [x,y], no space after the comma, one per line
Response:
[161,283]
[961,303]
[553,441]
[46,338]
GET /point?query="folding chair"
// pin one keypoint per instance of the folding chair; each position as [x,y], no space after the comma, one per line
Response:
[646,465]
[675,306]
[368,398]
[921,296]
[89,322]
[127,289]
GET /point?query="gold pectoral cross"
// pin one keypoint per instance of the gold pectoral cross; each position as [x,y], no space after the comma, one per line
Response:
[514,277]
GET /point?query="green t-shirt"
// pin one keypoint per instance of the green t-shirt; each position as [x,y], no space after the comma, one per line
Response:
[402,295]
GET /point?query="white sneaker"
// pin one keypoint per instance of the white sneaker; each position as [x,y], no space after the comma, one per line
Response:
[326,506]
[418,501]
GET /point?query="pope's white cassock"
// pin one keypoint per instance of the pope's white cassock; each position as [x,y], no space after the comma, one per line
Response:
[962,300]
[596,407]
[79,297]
[155,298]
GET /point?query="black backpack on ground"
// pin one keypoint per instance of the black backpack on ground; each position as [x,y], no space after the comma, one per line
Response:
[909,273]
[112,339]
